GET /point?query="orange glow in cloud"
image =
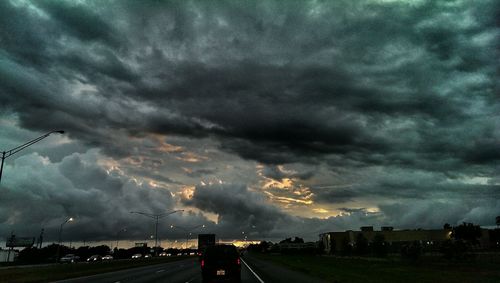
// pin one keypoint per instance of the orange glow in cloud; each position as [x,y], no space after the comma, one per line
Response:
[153,184]
[164,146]
[187,192]
[286,191]
[191,157]
[168,148]
[280,184]
[288,200]
[321,210]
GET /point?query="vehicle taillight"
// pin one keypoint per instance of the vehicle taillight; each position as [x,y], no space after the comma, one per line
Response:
[202,263]
[238,261]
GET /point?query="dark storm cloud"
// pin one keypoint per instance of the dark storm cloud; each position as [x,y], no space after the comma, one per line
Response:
[242,210]
[352,210]
[329,195]
[277,173]
[79,20]
[278,83]
[19,36]
[399,99]
[238,209]
[434,214]
[401,183]
[99,200]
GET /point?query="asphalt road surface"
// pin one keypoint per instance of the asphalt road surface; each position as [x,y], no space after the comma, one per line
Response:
[184,271]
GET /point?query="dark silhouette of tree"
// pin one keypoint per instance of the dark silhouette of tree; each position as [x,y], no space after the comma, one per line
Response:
[497,220]
[379,246]
[296,240]
[447,226]
[262,247]
[34,255]
[31,255]
[467,232]
[464,236]
[361,246]
[285,241]
[265,245]
[85,252]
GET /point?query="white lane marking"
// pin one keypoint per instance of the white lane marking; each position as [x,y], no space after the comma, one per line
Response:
[253,272]
[117,282]
[161,270]
[190,280]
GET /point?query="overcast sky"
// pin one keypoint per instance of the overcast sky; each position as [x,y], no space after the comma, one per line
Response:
[273,118]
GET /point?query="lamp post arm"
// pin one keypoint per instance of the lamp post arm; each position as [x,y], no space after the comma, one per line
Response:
[196,227]
[145,214]
[168,213]
[21,147]
[25,145]
[155,216]
[187,230]
[7,153]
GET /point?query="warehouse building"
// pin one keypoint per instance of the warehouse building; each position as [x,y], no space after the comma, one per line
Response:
[337,241]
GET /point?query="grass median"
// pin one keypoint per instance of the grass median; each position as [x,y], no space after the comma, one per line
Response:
[65,271]
[335,269]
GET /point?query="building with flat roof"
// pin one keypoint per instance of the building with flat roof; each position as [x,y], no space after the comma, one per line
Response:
[337,241]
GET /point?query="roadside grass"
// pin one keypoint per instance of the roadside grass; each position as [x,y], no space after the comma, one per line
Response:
[66,271]
[334,269]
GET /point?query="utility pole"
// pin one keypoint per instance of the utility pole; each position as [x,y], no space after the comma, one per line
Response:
[40,239]
[156,217]
[188,230]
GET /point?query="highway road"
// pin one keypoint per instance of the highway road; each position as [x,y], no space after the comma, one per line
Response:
[185,271]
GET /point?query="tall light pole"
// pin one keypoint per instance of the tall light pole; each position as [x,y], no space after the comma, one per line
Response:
[156,217]
[8,153]
[60,236]
[188,230]
[118,236]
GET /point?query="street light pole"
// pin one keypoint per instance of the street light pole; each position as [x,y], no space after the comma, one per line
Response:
[118,236]
[188,231]
[8,153]
[60,236]
[156,217]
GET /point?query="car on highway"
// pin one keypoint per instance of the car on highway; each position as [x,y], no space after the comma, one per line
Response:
[147,256]
[221,263]
[107,257]
[136,255]
[69,258]
[94,258]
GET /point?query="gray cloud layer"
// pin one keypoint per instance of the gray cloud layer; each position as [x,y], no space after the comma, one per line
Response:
[277,83]
[398,99]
